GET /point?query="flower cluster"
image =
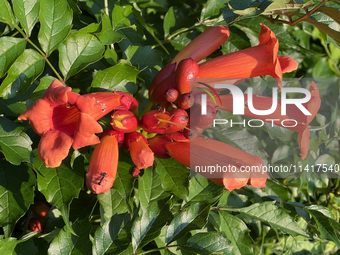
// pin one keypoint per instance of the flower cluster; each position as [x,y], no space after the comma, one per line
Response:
[63,118]
[173,91]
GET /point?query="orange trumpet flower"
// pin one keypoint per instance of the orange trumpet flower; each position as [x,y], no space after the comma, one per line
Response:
[63,119]
[255,61]
[201,154]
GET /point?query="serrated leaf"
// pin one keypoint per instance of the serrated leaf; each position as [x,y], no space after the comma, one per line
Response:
[114,236]
[61,184]
[150,188]
[121,77]
[149,225]
[174,176]
[208,243]
[68,243]
[55,23]
[26,68]
[193,217]
[237,232]
[14,143]
[17,193]
[269,213]
[10,49]
[27,13]
[144,56]
[6,14]
[77,51]
[203,190]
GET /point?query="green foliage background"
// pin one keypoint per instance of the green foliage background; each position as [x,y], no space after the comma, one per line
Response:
[107,45]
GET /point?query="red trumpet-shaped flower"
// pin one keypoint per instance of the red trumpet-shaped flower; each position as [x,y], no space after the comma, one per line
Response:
[294,118]
[229,163]
[35,225]
[63,119]
[204,44]
[103,164]
[255,61]
[137,145]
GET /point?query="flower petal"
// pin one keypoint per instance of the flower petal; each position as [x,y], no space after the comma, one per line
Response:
[287,64]
[56,94]
[40,116]
[303,140]
[84,134]
[54,147]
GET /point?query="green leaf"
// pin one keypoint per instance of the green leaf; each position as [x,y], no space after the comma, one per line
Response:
[6,14]
[55,23]
[60,185]
[77,51]
[144,56]
[120,16]
[331,12]
[8,245]
[17,193]
[174,176]
[14,143]
[150,188]
[326,225]
[208,243]
[280,7]
[238,233]
[27,247]
[27,13]
[112,203]
[26,68]
[149,225]
[114,236]
[276,217]
[169,21]
[121,77]
[68,243]
[193,217]
[110,37]
[322,23]
[10,49]
[212,8]
[203,190]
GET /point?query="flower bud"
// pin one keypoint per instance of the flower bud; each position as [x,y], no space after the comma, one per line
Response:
[41,209]
[124,121]
[202,121]
[186,74]
[185,101]
[192,133]
[137,145]
[165,72]
[135,172]
[154,121]
[35,224]
[156,144]
[158,94]
[171,95]
[180,117]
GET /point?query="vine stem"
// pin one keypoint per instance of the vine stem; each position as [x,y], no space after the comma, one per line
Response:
[308,14]
[41,52]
